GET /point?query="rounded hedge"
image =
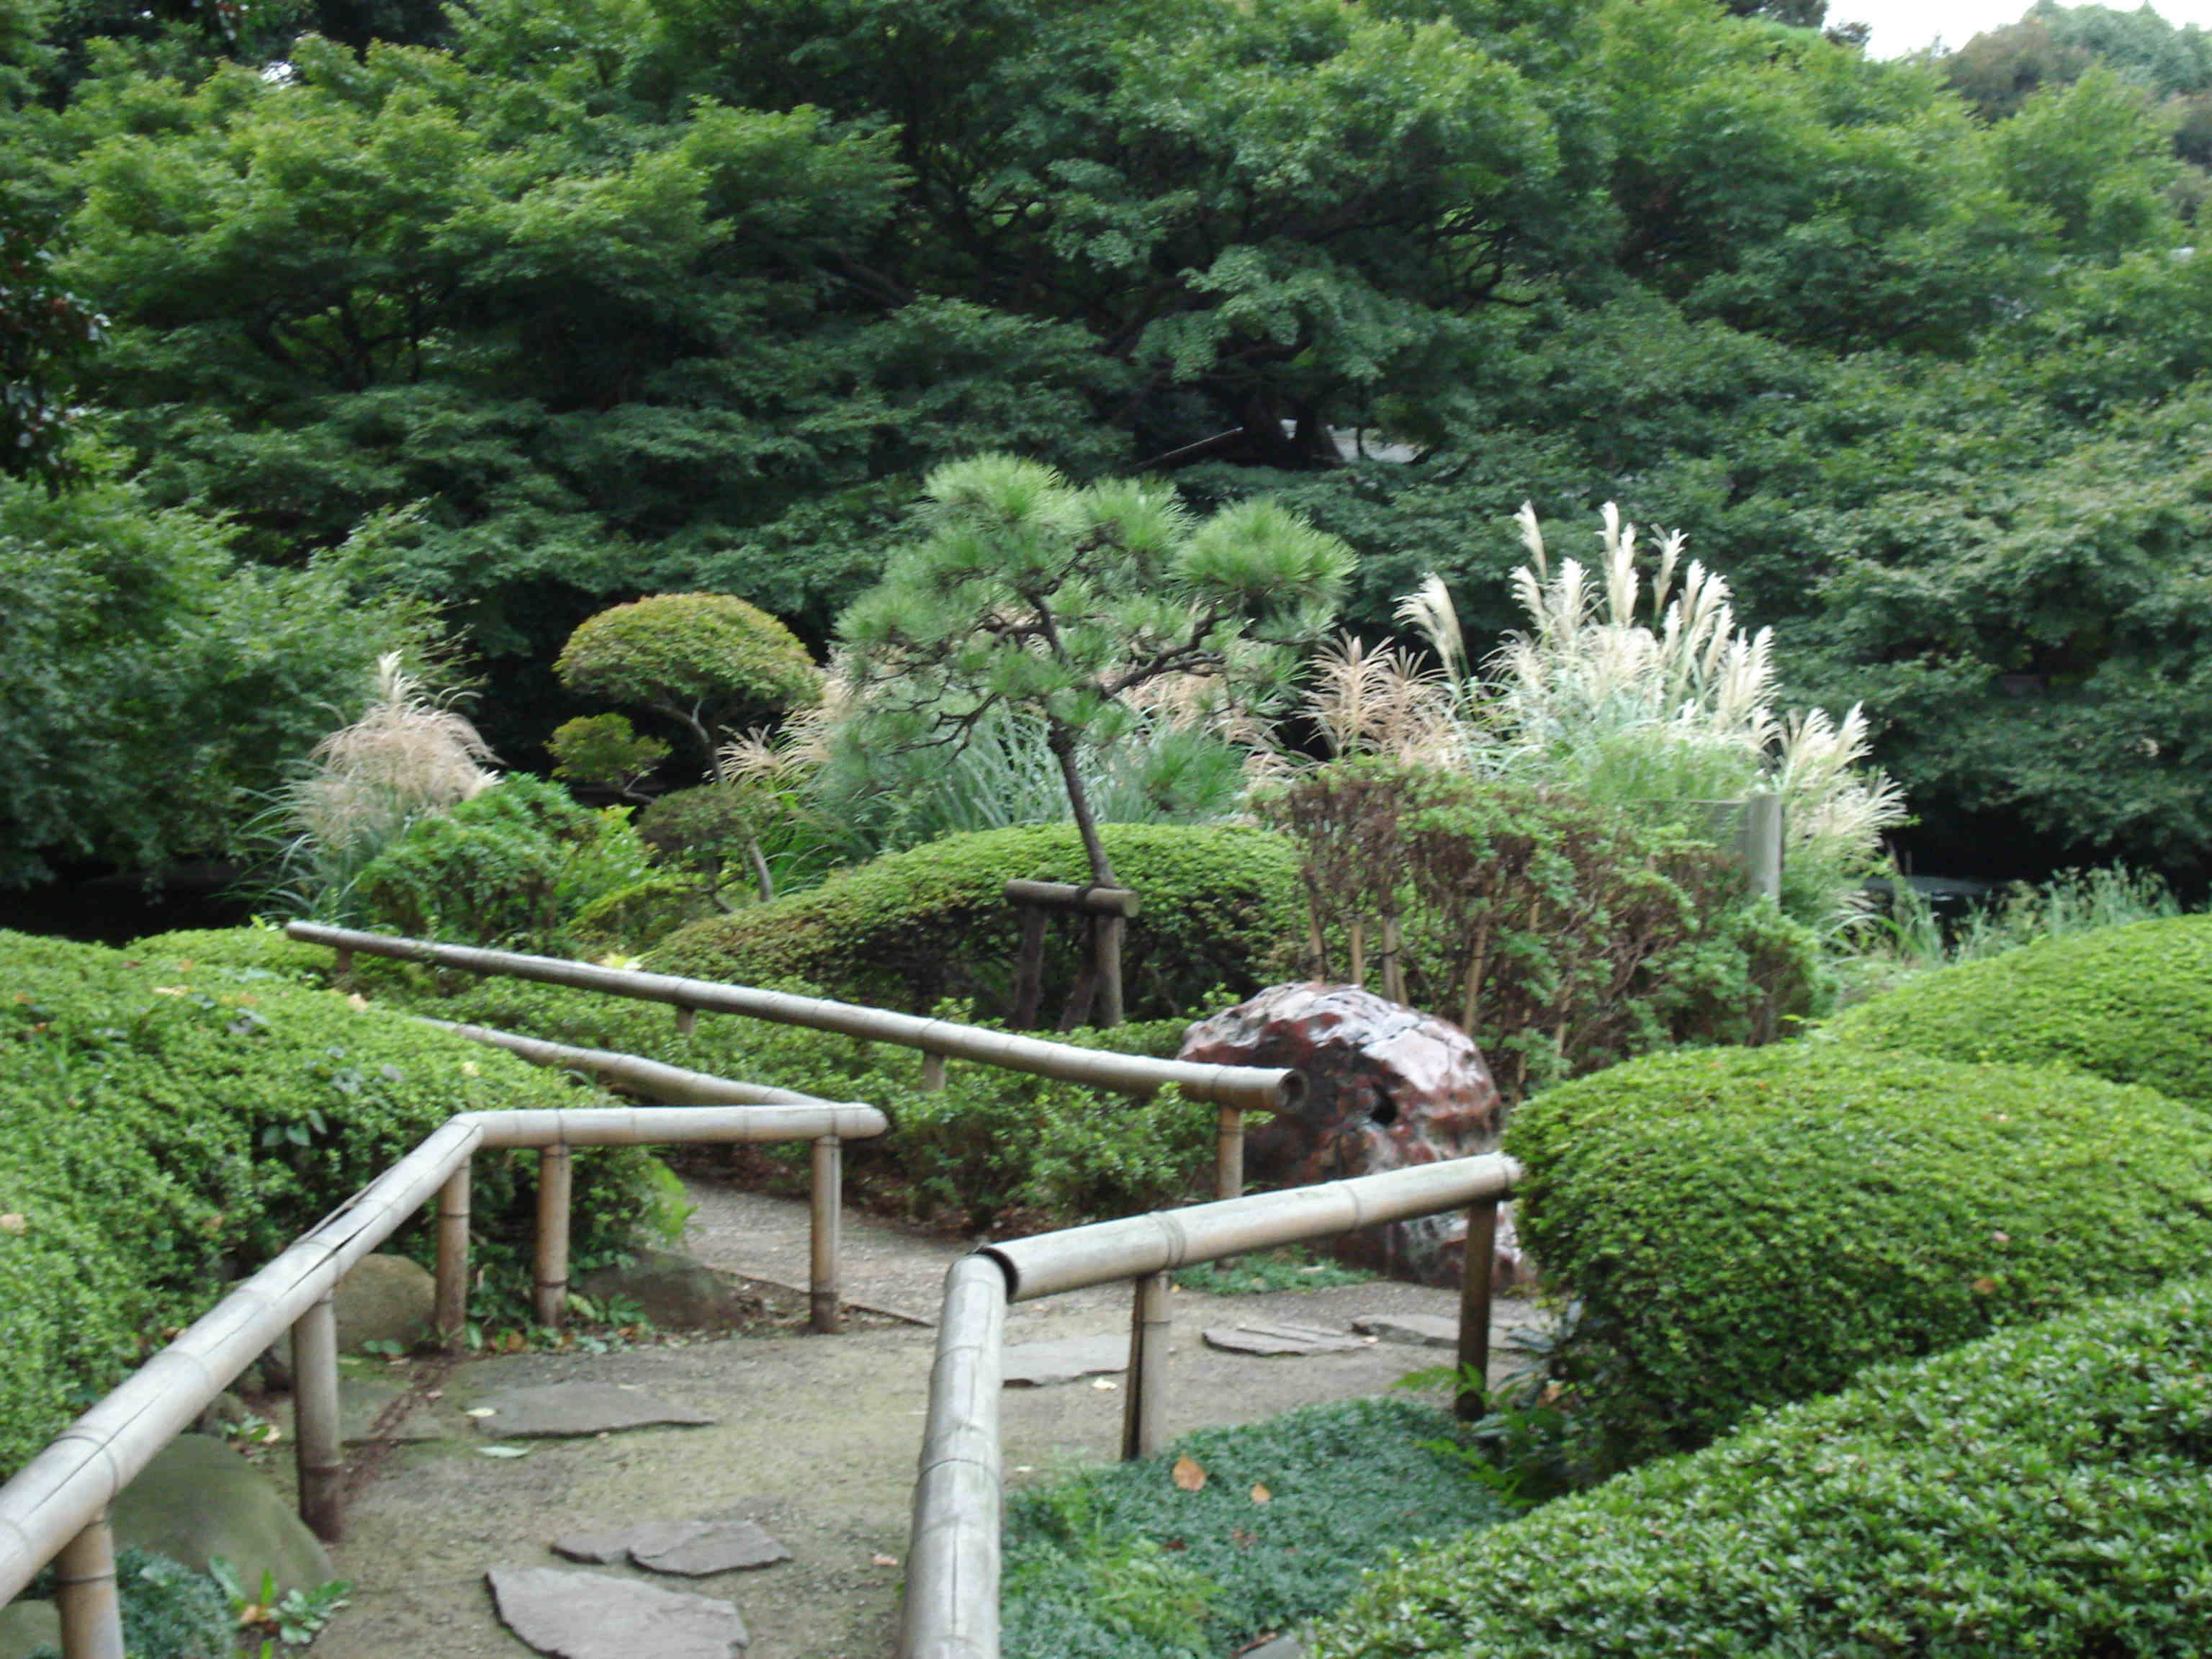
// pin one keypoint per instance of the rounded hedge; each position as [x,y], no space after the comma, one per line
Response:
[2131,1004]
[1748,1227]
[911,928]
[2047,1491]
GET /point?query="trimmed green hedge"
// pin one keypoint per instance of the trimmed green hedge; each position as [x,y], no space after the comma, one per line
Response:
[2046,1492]
[2130,1004]
[167,1120]
[913,927]
[1748,1227]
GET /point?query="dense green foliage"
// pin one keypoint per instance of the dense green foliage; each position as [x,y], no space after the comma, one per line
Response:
[166,1122]
[2047,1491]
[2130,1004]
[1576,936]
[169,1610]
[1219,904]
[1747,1227]
[1119,1563]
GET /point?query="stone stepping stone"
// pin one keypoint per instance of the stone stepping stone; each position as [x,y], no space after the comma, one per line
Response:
[1261,1337]
[561,1409]
[1041,1364]
[690,1549]
[1419,1330]
[591,1615]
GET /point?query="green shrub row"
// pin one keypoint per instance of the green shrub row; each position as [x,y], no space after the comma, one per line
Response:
[2047,1491]
[1220,908]
[2130,1004]
[169,1120]
[1747,1227]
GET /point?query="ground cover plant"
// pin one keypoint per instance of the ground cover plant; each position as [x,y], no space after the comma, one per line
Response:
[2046,1491]
[169,1610]
[167,1123]
[1228,1533]
[1742,1228]
[2132,1004]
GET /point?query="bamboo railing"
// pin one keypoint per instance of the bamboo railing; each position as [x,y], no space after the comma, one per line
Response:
[1234,1090]
[55,1507]
[951,1604]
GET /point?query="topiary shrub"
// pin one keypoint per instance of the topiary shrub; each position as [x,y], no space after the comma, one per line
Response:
[167,1122]
[2130,1004]
[906,930]
[1750,1226]
[515,867]
[2047,1491]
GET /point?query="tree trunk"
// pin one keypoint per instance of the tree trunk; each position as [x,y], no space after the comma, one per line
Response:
[1062,741]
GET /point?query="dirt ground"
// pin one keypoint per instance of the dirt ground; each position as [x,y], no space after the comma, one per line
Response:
[817,1438]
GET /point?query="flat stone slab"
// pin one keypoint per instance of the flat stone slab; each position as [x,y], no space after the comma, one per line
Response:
[557,1410]
[690,1549]
[1041,1364]
[1259,1336]
[1282,1647]
[591,1615]
[1419,1330]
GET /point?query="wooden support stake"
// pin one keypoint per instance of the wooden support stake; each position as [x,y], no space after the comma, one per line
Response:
[1394,969]
[1476,1268]
[84,1594]
[451,1317]
[687,1021]
[933,1072]
[1228,1155]
[341,967]
[1085,994]
[822,1291]
[1028,967]
[1359,954]
[550,1305]
[1143,1405]
[318,1442]
[1106,939]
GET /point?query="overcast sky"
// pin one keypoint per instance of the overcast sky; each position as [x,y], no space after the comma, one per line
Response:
[1903,25]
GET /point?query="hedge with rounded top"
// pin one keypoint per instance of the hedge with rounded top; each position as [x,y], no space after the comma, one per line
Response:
[1747,1227]
[2047,1491]
[2132,1004]
[911,928]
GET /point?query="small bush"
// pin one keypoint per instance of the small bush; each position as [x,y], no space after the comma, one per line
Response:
[1751,1226]
[167,1121]
[915,927]
[2130,1004]
[169,1612]
[2047,1491]
[515,867]
[1119,1563]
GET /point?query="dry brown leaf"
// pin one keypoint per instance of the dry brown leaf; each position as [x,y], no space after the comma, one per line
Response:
[15,1223]
[1984,1287]
[1188,1475]
[1260,1493]
[883,1560]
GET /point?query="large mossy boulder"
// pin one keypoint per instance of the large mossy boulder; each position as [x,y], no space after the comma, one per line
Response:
[2131,1004]
[198,1499]
[1220,906]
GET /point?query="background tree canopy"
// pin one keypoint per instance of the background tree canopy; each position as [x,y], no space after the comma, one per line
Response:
[548,305]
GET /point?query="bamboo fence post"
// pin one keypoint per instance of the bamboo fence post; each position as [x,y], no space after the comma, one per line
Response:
[451,1317]
[1228,1155]
[687,1021]
[1475,1268]
[1106,941]
[950,1608]
[85,1596]
[1759,841]
[1144,1404]
[341,966]
[550,1305]
[822,1289]
[1360,953]
[933,1072]
[1393,971]
[319,1445]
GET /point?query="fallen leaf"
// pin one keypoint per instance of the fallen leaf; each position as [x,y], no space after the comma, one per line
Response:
[1186,1474]
[356,1002]
[15,1223]
[1105,1384]
[1260,1493]
[883,1560]
[1984,1287]
[482,1410]
[1243,1539]
[2002,1237]
[171,990]
[504,1451]
[1175,1544]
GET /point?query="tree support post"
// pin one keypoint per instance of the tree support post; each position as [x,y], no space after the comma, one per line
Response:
[1476,1268]
[822,1303]
[319,1444]
[85,1596]
[1145,1399]
[452,1316]
[549,1303]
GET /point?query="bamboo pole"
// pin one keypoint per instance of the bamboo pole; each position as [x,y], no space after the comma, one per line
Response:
[950,1608]
[451,1317]
[1759,841]
[1145,1399]
[1476,1266]
[1107,1250]
[1028,969]
[821,1287]
[932,1074]
[1106,939]
[1272,1088]
[1394,970]
[631,1072]
[1360,953]
[687,1022]
[1060,895]
[549,1303]
[1228,1155]
[318,1442]
[85,1594]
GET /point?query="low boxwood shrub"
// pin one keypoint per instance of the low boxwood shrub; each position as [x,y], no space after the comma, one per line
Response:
[170,1121]
[911,928]
[2132,1004]
[2047,1491]
[1750,1226]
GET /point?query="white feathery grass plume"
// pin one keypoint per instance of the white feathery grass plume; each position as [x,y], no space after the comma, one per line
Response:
[408,753]
[1532,537]
[1429,610]
[1620,567]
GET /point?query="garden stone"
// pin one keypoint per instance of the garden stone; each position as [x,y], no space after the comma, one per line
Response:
[26,1627]
[198,1499]
[384,1298]
[563,1410]
[589,1616]
[673,1292]
[691,1549]
[1386,1087]
[1281,1647]
[1041,1364]
[1418,1329]
[1263,1337]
